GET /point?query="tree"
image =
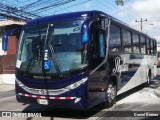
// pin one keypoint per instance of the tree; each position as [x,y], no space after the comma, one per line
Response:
[119,2]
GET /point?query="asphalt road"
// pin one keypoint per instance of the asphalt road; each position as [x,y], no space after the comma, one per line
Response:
[138,102]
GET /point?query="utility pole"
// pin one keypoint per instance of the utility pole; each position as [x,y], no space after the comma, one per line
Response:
[141,21]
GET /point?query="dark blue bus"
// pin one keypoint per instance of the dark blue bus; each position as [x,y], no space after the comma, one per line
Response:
[78,60]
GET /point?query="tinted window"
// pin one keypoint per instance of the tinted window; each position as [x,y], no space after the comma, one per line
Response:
[127,41]
[155,47]
[136,43]
[98,44]
[152,46]
[148,46]
[142,44]
[115,39]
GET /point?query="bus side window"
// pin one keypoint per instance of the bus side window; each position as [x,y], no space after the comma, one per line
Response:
[155,47]
[98,43]
[142,45]
[101,44]
[136,43]
[115,39]
[148,46]
[97,47]
[151,47]
[127,48]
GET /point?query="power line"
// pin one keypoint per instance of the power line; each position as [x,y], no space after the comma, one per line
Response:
[61,9]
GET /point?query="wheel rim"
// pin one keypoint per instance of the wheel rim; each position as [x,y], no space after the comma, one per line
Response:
[111,92]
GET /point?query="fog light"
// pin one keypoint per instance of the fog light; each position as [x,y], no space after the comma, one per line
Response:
[77,100]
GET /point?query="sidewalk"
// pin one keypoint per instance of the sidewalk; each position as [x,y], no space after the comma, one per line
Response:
[7,82]
[7,79]
[157,91]
[5,88]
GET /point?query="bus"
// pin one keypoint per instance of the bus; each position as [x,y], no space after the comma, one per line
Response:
[81,59]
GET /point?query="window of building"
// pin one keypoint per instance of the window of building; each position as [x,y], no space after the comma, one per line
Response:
[127,48]
[142,45]
[115,39]
[135,38]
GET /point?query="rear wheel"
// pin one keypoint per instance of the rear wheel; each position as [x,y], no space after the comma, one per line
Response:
[111,92]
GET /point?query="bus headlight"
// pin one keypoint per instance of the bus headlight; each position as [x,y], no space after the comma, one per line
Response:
[20,84]
[77,84]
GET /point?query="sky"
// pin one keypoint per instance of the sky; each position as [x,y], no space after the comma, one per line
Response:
[131,11]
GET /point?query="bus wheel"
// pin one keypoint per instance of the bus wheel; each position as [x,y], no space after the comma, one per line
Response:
[111,92]
[148,80]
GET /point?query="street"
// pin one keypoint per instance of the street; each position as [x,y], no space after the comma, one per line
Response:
[132,104]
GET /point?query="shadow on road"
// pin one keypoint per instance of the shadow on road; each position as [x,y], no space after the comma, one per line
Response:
[136,89]
[66,113]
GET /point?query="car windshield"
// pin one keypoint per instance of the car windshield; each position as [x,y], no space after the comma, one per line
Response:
[63,37]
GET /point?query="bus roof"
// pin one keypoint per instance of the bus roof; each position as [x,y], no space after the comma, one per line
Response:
[77,15]
[68,16]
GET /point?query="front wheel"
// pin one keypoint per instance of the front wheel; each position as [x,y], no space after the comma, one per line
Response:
[111,93]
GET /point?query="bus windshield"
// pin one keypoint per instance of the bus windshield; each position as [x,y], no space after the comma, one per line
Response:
[65,39]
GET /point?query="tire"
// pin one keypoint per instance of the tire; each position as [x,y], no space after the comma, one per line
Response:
[148,80]
[111,93]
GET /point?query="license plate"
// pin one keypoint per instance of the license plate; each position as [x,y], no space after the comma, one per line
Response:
[42,101]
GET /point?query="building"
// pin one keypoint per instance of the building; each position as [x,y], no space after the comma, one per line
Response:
[8,60]
[6,25]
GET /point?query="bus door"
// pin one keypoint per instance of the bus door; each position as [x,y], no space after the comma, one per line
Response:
[97,56]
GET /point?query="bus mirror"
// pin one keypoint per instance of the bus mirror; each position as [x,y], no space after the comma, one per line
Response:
[85,34]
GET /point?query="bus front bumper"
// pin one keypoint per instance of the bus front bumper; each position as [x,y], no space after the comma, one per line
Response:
[74,99]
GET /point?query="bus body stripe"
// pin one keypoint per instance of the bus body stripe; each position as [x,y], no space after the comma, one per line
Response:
[30,95]
[47,97]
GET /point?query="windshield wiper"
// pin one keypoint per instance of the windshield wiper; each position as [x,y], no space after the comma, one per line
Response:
[53,56]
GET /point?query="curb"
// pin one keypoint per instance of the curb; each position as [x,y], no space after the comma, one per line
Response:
[157,91]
